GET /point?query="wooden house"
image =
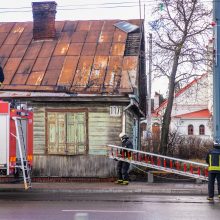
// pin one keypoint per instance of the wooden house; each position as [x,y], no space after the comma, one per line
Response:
[85,81]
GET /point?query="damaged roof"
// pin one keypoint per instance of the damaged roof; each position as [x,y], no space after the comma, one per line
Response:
[84,57]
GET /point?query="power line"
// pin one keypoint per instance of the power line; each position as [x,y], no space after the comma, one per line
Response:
[80,6]
[74,9]
[155,2]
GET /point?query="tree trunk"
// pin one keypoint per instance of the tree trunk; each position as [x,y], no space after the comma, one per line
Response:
[167,115]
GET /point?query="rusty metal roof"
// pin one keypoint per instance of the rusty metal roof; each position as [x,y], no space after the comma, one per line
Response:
[84,57]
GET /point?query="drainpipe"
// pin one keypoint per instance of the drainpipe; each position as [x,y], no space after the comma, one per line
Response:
[124,115]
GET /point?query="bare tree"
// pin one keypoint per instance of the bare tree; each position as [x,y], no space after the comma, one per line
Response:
[181,29]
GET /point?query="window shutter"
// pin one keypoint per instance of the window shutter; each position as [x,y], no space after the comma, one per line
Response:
[56,133]
[51,130]
[61,119]
[81,132]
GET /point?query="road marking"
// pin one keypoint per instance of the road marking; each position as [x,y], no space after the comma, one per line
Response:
[102,211]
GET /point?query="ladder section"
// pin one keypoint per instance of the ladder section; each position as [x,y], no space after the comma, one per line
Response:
[159,162]
[22,163]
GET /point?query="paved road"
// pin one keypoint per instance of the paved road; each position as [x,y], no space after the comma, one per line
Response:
[58,206]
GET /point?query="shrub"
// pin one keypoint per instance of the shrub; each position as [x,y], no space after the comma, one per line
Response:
[189,147]
[184,147]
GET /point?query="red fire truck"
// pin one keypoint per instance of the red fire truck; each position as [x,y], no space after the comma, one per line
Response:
[16,141]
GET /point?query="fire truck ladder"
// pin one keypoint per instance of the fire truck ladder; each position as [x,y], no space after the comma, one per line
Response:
[24,166]
[159,162]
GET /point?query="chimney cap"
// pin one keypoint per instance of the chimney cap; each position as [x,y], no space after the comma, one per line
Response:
[44,6]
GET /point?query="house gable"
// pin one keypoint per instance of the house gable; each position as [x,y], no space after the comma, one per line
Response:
[192,97]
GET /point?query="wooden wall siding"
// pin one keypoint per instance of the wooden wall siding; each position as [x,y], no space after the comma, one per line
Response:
[74,166]
[103,130]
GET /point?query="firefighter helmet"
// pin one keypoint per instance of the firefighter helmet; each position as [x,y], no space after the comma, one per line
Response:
[216,143]
[123,135]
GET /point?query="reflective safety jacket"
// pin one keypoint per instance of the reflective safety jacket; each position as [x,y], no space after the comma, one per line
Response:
[213,159]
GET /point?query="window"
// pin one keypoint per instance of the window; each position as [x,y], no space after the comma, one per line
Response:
[66,132]
[190,130]
[202,130]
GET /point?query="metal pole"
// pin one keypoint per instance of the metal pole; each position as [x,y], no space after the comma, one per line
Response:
[149,87]
[140,8]
[216,74]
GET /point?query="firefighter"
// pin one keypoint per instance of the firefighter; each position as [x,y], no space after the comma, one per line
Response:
[213,160]
[2,78]
[122,166]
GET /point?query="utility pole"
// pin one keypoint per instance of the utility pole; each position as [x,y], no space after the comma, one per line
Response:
[216,74]
[149,88]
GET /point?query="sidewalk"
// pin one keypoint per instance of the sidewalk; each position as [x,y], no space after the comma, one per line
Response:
[110,187]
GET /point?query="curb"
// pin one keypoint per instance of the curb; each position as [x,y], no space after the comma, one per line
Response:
[107,191]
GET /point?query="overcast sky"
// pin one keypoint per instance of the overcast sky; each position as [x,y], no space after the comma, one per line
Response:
[20,10]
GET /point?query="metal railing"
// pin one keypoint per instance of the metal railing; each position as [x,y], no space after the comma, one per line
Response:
[159,162]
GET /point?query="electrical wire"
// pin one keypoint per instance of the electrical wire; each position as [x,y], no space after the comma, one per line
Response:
[95,4]
[101,4]
[81,6]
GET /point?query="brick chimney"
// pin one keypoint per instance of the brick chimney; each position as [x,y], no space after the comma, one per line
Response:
[44,19]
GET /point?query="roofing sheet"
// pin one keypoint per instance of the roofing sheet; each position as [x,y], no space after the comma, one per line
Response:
[25,38]
[98,73]
[5,27]
[69,26]
[114,72]
[68,71]
[85,56]
[103,49]
[75,49]
[19,51]
[3,37]
[6,50]
[12,38]
[83,71]
[35,78]
[93,36]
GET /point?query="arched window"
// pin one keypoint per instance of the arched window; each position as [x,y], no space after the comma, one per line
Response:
[190,130]
[201,129]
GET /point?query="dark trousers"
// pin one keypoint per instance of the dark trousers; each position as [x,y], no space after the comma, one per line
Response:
[211,184]
[122,170]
